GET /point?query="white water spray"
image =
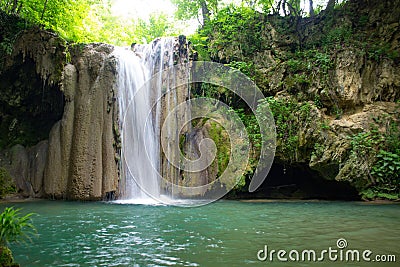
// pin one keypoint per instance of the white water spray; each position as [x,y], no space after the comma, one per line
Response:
[140,116]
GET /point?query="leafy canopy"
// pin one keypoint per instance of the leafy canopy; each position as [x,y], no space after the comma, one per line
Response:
[88,20]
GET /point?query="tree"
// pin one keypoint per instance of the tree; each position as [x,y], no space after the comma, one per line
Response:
[331,5]
[11,6]
[157,26]
[288,7]
[190,9]
[64,16]
[312,13]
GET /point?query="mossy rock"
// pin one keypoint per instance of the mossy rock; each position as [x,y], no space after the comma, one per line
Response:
[6,258]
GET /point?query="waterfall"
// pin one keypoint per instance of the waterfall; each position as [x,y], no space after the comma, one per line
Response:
[140,85]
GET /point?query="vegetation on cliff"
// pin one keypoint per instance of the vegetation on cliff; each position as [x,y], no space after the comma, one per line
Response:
[321,73]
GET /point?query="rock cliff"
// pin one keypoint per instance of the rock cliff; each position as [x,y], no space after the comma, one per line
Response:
[82,147]
[77,158]
[333,84]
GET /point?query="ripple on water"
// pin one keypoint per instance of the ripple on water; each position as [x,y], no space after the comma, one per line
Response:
[221,234]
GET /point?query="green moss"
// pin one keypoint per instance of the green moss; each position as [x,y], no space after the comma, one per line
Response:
[379,51]
[6,258]
[338,35]
[290,118]
[318,150]
[296,83]
[222,142]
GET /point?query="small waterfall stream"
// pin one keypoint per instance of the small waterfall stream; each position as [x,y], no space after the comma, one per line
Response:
[140,86]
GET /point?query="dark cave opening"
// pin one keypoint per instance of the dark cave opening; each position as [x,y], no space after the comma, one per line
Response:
[301,182]
[29,105]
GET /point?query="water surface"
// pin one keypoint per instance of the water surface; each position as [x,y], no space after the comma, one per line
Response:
[225,233]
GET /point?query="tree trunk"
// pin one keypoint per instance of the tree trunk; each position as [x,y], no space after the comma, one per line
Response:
[44,9]
[14,7]
[284,8]
[278,7]
[312,13]
[205,12]
[331,5]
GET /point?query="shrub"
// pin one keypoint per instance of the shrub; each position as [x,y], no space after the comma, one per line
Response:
[14,227]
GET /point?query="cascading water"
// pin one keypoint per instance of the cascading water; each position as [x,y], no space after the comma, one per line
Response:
[164,159]
[140,115]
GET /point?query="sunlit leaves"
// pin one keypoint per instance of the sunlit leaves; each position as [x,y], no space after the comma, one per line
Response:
[14,227]
[89,21]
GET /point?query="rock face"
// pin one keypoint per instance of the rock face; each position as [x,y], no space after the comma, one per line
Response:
[31,101]
[81,163]
[79,159]
[342,68]
[175,91]
[26,166]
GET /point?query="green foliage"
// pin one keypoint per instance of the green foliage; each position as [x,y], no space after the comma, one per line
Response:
[363,20]
[290,118]
[378,52]
[302,66]
[103,26]
[366,143]
[6,46]
[190,9]
[318,150]
[264,5]
[239,28]
[6,183]
[337,111]
[387,168]
[295,65]
[157,26]
[295,83]
[317,102]
[246,68]
[380,153]
[310,59]
[199,44]
[253,132]
[338,35]
[86,21]
[14,227]
[10,27]
[252,127]
[62,16]
[374,193]
[222,142]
